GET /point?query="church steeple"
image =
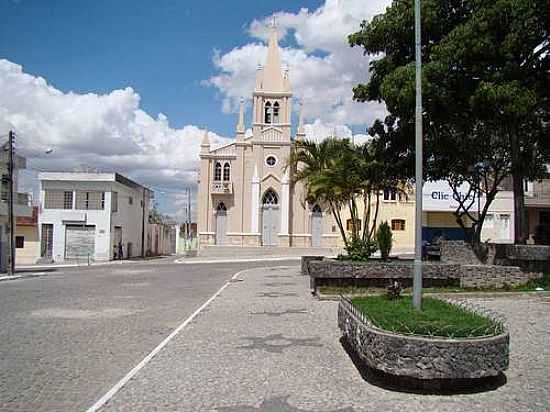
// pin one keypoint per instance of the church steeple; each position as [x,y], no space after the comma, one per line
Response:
[272,98]
[271,78]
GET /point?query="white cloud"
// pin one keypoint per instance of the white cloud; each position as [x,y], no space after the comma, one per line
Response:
[108,132]
[323,68]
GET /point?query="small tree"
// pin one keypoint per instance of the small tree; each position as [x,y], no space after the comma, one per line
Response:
[384,238]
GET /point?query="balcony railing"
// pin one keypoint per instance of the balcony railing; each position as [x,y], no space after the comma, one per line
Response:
[220,188]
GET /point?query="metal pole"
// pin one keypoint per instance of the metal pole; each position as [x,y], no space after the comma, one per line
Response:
[417,280]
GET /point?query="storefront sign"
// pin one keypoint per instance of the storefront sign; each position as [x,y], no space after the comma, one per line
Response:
[439,197]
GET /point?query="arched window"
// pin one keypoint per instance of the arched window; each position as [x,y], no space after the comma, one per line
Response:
[270,198]
[267,113]
[218,171]
[276,112]
[221,207]
[317,210]
[226,172]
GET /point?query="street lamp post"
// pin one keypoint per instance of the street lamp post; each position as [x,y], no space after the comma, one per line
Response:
[417,280]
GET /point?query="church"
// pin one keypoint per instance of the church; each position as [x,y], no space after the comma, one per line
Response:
[246,194]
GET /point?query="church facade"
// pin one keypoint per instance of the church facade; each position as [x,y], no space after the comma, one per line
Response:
[246,194]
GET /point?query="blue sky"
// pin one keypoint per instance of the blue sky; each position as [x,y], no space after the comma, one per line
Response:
[130,86]
[163,48]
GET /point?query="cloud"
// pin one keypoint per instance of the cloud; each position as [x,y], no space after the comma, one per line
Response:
[108,132]
[323,68]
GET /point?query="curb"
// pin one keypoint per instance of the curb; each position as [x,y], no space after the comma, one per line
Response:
[16,277]
[184,261]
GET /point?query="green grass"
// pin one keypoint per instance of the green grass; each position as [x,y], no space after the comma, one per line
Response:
[437,318]
[543,282]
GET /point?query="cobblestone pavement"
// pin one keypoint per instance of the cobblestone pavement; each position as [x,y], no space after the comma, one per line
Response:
[253,350]
[69,336]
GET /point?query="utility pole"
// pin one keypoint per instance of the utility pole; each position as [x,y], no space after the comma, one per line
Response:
[417,279]
[188,213]
[11,218]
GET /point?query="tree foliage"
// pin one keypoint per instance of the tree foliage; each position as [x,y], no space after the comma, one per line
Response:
[339,174]
[486,102]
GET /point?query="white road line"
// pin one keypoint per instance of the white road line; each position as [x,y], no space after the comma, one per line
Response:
[118,386]
[184,261]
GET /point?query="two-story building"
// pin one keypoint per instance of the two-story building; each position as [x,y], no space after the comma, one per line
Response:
[21,204]
[91,216]
[537,202]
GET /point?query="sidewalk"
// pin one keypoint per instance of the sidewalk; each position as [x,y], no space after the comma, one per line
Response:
[264,344]
[45,266]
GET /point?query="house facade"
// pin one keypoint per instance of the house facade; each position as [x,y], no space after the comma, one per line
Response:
[86,216]
[21,205]
[246,197]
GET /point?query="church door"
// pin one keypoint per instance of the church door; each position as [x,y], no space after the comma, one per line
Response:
[270,218]
[221,217]
[316,226]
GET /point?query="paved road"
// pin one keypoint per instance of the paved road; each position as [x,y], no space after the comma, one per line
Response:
[67,337]
[265,345]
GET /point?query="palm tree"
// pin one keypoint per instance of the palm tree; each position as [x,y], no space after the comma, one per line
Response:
[320,167]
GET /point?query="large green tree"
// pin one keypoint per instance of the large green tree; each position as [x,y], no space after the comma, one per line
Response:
[485,91]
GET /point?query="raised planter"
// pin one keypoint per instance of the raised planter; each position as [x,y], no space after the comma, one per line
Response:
[330,272]
[419,357]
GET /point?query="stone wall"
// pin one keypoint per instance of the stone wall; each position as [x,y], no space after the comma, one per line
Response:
[494,276]
[330,272]
[457,251]
[530,258]
[420,357]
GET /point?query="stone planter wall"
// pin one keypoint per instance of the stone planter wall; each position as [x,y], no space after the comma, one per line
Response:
[530,258]
[457,251]
[422,357]
[329,272]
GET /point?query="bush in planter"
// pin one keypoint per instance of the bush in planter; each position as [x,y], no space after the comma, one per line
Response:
[384,238]
[359,250]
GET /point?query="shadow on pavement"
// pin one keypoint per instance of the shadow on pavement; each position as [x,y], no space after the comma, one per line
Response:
[420,386]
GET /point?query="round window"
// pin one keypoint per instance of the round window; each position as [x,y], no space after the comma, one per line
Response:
[271,161]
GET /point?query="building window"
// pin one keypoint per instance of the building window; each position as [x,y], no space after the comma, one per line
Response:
[489,220]
[221,207]
[114,201]
[349,225]
[218,172]
[57,199]
[226,172]
[67,200]
[390,195]
[398,224]
[270,198]
[271,161]
[5,187]
[90,200]
[130,200]
[19,242]
[276,112]
[267,113]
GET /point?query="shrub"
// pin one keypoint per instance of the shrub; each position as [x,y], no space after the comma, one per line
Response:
[384,238]
[359,250]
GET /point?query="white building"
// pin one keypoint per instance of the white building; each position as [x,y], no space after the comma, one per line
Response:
[438,205]
[87,215]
